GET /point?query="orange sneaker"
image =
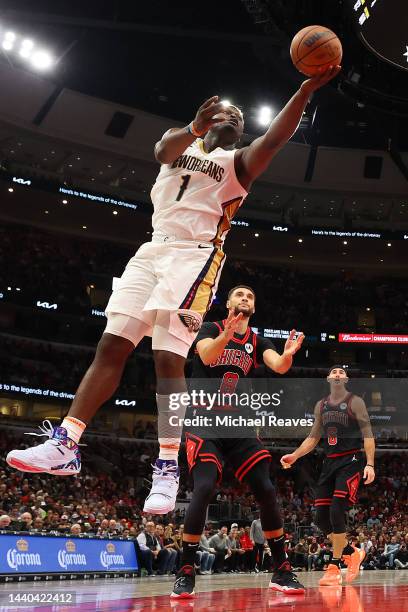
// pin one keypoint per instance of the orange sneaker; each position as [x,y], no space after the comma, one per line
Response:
[353,567]
[346,560]
[331,577]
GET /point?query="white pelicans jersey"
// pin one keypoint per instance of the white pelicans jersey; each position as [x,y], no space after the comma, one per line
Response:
[196,197]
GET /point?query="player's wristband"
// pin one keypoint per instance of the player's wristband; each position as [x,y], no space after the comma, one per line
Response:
[369,465]
[193,130]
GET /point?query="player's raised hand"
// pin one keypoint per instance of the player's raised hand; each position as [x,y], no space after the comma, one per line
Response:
[209,114]
[231,324]
[320,79]
[287,461]
[293,343]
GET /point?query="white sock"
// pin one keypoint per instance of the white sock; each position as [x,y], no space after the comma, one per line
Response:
[170,434]
[75,428]
[169,449]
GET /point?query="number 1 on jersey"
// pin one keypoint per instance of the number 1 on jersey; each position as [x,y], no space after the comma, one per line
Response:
[185,179]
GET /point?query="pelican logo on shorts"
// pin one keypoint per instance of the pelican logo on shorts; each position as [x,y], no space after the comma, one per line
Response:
[191,320]
[343,406]
[249,348]
[332,436]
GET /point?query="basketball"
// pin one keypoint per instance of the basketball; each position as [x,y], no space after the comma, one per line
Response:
[315,48]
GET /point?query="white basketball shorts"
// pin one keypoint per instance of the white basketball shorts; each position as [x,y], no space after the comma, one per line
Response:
[180,278]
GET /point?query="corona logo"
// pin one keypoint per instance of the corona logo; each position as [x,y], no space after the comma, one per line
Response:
[70,546]
[110,547]
[22,545]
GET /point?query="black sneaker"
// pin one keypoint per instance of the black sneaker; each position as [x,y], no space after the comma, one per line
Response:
[285,581]
[184,584]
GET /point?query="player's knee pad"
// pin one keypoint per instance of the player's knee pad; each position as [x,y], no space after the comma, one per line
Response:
[127,327]
[171,333]
[323,520]
[337,514]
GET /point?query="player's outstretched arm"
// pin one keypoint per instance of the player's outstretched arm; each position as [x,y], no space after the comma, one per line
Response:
[253,160]
[308,443]
[176,140]
[209,349]
[359,409]
[282,363]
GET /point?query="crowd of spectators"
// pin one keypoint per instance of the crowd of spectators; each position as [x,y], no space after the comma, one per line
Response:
[106,500]
[60,267]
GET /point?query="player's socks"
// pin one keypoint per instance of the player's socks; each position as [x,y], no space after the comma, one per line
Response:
[279,556]
[169,449]
[74,427]
[348,550]
[189,553]
[335,561]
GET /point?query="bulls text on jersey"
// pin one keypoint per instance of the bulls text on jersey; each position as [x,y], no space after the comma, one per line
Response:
[236,357]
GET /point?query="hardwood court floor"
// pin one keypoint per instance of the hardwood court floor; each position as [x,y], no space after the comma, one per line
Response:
[373,591]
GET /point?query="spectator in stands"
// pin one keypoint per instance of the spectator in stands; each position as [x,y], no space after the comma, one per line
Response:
[64,524]
[103,528]
[148,540]
[233,545]
[401,557]
[247,545]
[207,556]
[313,554]
[390,551]
[171,545]
[167,548]
[76,529]
[325,556]
[257,537]
[38,524]
[300,555]
[219,542]
[5,521]
[26,520]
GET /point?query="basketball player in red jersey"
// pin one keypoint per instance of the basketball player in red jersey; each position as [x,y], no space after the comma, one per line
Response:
[342,419]
[168,286]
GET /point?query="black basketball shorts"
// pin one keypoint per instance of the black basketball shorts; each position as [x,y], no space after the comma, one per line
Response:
[340,477]
[241,453]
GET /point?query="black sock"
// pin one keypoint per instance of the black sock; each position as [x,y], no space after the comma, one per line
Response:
[189,553]
[335,561]
[348,550]
[279,557]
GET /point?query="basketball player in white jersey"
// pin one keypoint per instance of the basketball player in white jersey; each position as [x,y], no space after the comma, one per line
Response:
[168,286]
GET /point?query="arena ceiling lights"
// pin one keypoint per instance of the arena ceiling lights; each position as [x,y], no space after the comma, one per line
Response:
[26,50]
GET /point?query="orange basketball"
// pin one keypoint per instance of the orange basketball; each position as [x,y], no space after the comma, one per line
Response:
[314,48]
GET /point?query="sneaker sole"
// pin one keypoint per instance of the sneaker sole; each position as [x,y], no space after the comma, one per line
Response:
[24,467]
[277,587]
[183,595]
[158,511]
